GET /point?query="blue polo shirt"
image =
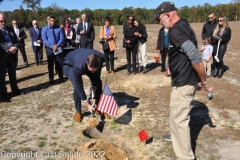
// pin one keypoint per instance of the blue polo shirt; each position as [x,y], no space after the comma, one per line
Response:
[52,36]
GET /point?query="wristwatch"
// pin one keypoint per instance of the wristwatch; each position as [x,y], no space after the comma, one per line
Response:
[204,83]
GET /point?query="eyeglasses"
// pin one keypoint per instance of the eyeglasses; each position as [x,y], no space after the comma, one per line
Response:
[219,20]
[1,21]
[210,17]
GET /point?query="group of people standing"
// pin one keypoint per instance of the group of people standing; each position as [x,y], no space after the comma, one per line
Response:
[216,34]
[135,38]
[188,67]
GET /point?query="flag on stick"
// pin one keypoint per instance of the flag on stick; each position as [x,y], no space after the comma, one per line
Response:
[107,103]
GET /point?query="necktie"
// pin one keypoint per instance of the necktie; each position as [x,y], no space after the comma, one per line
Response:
[7,38]
[85,28]
[54,36]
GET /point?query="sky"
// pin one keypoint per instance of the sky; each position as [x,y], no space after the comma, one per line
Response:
[10,5]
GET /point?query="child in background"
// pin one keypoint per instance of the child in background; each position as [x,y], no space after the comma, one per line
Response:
[207,50]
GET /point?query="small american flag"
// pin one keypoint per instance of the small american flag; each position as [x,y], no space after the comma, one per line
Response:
[107,103]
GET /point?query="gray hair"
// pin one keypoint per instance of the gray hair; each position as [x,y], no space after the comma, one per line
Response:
[34,21]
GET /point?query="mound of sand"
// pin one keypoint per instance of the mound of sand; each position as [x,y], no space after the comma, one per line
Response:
[103,150]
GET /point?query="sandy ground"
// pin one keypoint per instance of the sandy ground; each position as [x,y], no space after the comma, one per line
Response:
[39,125]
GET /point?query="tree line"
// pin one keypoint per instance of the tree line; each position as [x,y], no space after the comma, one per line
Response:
[194,14]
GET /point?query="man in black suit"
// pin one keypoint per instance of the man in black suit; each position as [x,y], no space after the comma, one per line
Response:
[84,62]
[87,33]
[37,45]
[21,35]
[8,49]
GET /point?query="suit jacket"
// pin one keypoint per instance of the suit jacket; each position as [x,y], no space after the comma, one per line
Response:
[113,34]
[75,26]
[4,48]
[89,36]
[74,67]
[23,36]
[35,35]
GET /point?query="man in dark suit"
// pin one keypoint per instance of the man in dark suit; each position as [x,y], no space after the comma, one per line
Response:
[87,33]
[21,35]
[8,49]
[84,62]
[37,45]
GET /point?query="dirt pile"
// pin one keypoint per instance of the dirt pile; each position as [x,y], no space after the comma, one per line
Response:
[103,150]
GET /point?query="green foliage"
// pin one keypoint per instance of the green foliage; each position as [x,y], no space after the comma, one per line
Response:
[194,14]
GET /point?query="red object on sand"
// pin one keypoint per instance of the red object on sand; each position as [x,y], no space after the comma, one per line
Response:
[143,135]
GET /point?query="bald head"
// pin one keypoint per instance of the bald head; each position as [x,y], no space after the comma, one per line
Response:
[2,20]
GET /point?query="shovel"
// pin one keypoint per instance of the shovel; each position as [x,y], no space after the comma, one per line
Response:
[91,101]
[216,57]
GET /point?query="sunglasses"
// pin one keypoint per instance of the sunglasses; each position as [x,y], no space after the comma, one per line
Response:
[1,21]
[219,20]
[210,17]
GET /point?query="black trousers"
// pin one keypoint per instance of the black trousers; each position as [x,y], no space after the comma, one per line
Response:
[131,53]
[87,45]
[23,53]
[165,51]
[109,60]
[38,54]
[57,59]
[77,99]
[221,52]
[9,64]
[77,45]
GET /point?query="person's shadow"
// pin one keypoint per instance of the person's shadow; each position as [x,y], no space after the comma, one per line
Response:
[199,116]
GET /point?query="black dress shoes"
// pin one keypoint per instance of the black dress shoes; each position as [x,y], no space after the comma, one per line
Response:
[215,72]
[5,97]
[220,73]
[62,79]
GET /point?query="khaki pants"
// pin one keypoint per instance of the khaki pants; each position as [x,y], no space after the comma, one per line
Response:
[142,54]
[207,67]
[180,107]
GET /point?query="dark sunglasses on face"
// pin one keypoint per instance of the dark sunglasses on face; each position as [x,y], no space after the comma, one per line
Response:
[219,20]
[1,21]
[14,23]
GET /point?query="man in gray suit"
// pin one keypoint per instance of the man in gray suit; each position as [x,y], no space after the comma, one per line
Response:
[77,40]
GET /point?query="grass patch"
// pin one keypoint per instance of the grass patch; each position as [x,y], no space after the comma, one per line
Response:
[24,141]
[41,144]
[42,138]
